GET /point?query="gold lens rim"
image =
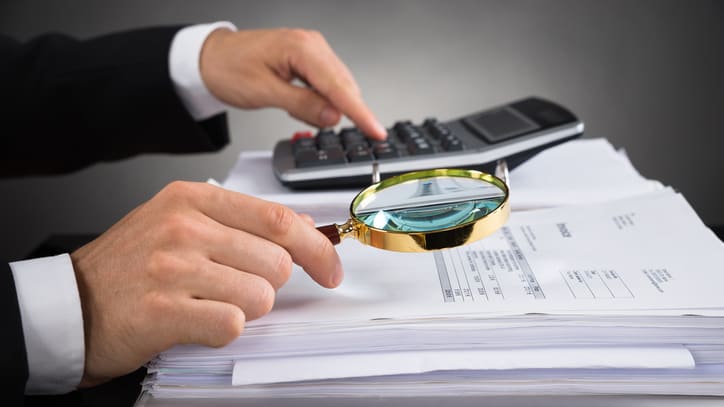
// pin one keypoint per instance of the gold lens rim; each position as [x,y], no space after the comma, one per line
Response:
[432,240]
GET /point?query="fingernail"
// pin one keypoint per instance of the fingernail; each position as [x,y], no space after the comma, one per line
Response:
[337,276]
[328,116]
[381,129]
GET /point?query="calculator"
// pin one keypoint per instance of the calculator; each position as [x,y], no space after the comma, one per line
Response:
[345,158]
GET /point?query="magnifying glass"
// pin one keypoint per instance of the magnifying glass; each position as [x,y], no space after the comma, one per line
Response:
[425,210]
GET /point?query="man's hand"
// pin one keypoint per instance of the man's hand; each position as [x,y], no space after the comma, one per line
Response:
[255,69]
[191,265]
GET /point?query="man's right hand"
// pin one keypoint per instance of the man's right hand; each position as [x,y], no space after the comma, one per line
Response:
[191,265]
[252,69]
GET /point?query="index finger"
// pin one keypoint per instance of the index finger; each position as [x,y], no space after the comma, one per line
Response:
[279,224]
[331,78]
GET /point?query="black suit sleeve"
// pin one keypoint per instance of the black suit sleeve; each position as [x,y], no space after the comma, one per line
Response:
[67,103]
[14,372]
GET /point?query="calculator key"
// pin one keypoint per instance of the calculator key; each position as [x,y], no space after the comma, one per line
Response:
[359,153]
[314,158]
[304,143]
[325,133]
[451,143]
[438,131]
[419,146]
[327,139]
[383,150]
[405,131]
[429,122]
[303,157]
[413,135]
[401,124]
[351,137]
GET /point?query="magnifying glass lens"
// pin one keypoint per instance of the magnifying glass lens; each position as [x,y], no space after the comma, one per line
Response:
[429,204]
[425,210]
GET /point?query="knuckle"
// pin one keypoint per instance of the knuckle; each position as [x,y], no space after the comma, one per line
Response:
[178,227]
[315,35]
[178,189]
[300,35]
[157,305]
[306,41]
[283,269]
[263,301]
[162,266]
[229,327]
[185,192]
[279,219]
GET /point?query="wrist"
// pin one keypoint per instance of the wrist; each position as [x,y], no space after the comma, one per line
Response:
[211,59]
[184,69]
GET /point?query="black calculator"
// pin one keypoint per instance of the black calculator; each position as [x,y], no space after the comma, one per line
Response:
[344,158]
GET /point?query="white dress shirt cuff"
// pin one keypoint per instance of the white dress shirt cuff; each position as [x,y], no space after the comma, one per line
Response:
[52,323]
[184,58]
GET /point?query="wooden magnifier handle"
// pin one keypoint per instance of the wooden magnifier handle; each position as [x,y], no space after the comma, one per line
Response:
[331,231]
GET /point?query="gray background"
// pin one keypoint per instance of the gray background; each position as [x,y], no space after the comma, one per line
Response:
[647,75]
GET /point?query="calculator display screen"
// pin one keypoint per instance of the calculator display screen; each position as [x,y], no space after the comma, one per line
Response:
[501,124]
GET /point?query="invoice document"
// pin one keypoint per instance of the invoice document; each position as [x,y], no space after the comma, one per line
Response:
[646,254]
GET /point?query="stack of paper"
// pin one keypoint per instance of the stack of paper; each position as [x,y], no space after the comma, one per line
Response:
[613,289]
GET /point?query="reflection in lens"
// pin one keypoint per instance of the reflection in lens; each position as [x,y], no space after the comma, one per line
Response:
[429,204]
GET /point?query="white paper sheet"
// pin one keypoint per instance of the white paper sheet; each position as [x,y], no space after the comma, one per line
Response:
[299,368]
[630,255]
